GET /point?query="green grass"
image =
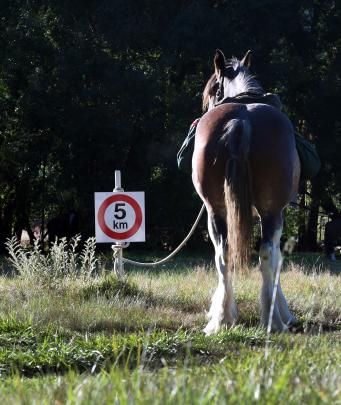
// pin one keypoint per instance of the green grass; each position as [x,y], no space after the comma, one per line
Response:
[27,351]
[230,367]
[92,338]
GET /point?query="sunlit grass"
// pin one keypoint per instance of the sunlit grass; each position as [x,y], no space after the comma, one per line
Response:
[298,370]
[165,300]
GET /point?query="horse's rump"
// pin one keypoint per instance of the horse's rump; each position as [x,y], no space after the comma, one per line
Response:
[271,150]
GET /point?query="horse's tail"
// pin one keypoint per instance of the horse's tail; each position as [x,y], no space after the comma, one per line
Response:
[237,189]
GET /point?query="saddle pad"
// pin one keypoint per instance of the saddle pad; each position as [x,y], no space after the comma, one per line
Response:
[310,161]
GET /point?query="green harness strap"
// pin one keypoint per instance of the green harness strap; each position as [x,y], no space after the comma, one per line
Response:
[184,156]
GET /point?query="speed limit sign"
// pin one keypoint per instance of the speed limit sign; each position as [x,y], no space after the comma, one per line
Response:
[119,217]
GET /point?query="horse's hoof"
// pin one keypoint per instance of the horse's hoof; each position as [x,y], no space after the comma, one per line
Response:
[294,325]
[280,329]
[212,328]
[285,329]
[332,257]
[292,322]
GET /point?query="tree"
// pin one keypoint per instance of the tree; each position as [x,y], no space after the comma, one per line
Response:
[90,87]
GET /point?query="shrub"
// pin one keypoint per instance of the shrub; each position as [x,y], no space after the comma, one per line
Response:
[62,260]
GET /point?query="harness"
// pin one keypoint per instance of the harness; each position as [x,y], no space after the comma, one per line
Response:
[249,97]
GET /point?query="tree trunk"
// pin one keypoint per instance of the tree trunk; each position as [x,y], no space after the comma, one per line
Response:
[6,221]
[311,242]
[302,229]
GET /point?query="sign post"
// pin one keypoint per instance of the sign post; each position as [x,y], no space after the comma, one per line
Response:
[119,218]
[117,247]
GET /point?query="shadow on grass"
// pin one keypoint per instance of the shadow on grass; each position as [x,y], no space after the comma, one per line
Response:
[112,287]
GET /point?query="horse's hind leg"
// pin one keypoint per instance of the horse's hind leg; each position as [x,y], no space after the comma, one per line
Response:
[271,260]
[223,309]
[287,317]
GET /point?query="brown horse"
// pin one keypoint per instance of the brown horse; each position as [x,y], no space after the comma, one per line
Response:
[244,162]
[332,236]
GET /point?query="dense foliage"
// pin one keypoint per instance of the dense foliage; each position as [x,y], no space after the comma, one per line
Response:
[88,87]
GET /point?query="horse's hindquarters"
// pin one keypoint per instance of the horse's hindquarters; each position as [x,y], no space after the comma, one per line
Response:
[250,152]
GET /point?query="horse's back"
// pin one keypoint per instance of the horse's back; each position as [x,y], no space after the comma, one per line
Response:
[269,127]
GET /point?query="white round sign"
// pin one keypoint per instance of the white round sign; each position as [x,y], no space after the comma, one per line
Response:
[120,217]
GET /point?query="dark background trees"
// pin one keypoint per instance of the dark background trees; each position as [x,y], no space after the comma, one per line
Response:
[87,87]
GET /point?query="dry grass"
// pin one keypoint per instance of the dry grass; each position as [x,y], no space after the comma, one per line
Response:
[160,300]
[58,321]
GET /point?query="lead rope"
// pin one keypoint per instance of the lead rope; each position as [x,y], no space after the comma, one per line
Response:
[266,372]
[273,300]
[182,244]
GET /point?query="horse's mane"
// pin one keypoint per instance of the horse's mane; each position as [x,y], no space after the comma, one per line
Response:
[245,82]
[207,91]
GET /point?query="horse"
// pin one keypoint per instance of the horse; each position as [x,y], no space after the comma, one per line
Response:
[332,237]
[65,225]
[244,162]
[289,245]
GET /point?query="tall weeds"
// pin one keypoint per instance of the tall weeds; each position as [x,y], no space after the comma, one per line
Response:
[61,261]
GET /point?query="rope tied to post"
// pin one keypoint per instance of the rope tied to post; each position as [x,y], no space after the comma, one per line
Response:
[116,248]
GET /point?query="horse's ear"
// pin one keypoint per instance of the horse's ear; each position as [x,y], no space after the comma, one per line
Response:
[246,61]
[219,62]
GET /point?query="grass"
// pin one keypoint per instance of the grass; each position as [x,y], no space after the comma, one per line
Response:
[298,370]
[85,336]
[29,351]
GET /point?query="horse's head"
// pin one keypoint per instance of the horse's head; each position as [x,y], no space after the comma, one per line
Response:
[230,78]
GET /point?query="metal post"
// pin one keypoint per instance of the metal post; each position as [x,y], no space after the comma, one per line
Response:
[118,260]
[118,181]
[117,246]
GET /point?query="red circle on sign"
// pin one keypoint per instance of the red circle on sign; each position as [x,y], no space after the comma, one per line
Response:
[119,235]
